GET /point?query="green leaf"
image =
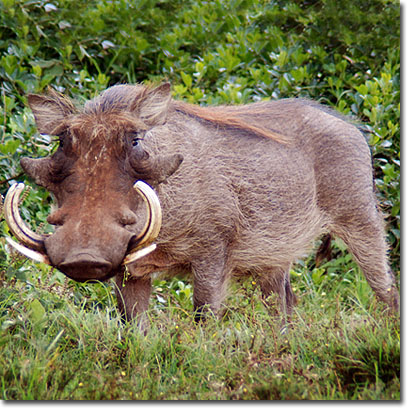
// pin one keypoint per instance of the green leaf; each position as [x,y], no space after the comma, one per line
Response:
[362,89]
[36,310]
[37,70]
[317,275]
[187,79]
[282,58]
[10,147]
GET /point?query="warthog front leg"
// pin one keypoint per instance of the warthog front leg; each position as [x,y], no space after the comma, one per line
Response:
[133,295]
[210,278]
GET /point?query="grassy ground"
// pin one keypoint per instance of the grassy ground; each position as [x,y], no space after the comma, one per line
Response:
[62,340]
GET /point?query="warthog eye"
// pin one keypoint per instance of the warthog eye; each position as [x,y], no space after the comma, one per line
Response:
[136,138]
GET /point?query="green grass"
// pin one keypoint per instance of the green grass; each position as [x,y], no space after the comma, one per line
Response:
[63,340]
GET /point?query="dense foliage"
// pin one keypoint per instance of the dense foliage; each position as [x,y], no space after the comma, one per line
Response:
[343,53]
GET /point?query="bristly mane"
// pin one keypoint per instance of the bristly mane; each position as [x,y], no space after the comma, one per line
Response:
[124,97]
[231,116]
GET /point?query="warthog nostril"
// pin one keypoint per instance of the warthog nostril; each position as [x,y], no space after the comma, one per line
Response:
[84,266]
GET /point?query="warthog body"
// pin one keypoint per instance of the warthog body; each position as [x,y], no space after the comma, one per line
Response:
[244,190]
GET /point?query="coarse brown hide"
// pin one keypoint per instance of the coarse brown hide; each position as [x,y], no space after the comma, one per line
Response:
[244,190]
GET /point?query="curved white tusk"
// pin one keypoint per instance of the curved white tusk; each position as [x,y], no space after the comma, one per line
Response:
[36,256]
[137,254]
[154,220]
[16,224]
[152,225]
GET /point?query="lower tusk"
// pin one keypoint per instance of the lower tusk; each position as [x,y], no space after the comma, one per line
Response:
[139,253]
[29,253]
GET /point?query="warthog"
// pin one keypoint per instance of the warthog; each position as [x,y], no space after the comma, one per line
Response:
[154,184]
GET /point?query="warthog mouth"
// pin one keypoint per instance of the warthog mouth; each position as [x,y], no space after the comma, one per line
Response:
[32,243]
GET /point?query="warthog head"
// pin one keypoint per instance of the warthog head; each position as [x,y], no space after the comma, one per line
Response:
[108,214]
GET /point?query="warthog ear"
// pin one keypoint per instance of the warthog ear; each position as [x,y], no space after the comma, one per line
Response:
[153,106]
[49,110]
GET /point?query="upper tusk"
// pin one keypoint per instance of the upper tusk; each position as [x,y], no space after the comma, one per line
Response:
[16,224]
[154,220]
[152,225]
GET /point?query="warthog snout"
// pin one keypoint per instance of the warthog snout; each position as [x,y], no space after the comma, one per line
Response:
[84,254]
[77,263]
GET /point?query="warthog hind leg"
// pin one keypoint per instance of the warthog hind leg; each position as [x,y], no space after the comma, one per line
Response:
[365,239]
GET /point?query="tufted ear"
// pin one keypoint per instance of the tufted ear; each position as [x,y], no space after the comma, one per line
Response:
[50,110]
[153,107]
